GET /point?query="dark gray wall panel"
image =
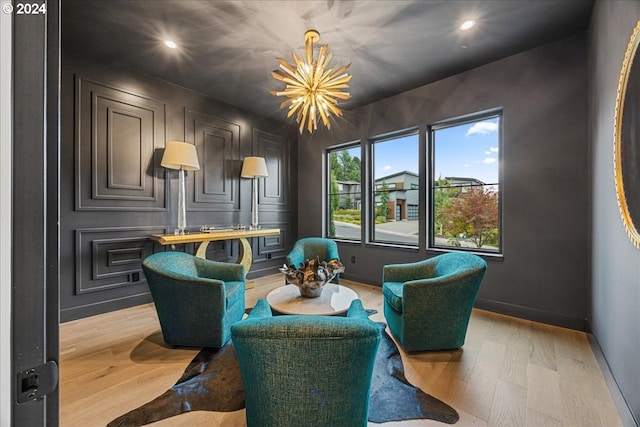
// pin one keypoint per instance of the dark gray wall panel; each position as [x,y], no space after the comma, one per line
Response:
[615,292]
[108,258]
[271,250]
[275,149]
[544,273]
[116,140]
[216,186]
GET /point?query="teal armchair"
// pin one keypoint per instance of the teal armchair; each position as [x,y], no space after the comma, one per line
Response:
[427,304]
[306,370]
[311,248]
[197,300]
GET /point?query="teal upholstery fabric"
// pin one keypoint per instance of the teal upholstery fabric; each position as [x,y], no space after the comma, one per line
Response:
[310,248]
[306,370]
[197,300]
[427,304]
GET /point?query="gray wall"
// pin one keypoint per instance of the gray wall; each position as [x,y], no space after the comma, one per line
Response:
[615,272]
[544,273]
[114,193]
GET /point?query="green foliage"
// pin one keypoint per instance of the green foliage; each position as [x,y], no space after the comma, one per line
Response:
[345,167]
[382,210]
[471,214]
[351,216]
[334,199]
[442,200]
[347,203]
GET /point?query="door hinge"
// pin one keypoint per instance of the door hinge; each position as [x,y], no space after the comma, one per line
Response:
[35,383]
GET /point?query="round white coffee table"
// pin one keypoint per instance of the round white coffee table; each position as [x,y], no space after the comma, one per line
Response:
[335,299]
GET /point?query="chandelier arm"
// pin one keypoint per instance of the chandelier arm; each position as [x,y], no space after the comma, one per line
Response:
[335,110]
[286,66]
[341,95]
[321,64]
[323,114]
[309,49]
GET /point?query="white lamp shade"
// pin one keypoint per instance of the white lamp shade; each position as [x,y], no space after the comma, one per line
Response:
[180,155]
[254,167]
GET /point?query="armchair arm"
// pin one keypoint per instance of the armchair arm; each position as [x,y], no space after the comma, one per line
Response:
[227,272]
[356,310]
[408,271]
[260,310]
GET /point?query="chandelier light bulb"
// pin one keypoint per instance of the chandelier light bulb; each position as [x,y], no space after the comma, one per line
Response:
[467,25]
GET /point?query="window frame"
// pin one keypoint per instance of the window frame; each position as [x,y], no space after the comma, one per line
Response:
[327,194]
[431,170]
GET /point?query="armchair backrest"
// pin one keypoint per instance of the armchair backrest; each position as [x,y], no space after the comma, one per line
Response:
[310,248]
[306,370]
[457,262]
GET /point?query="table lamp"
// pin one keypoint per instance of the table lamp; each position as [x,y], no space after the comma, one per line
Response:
[181,156]
[254,167]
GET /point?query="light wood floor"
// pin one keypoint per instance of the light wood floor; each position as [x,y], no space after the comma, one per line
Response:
[510,372]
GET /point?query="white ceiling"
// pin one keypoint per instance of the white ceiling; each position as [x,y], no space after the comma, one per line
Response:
[227,49]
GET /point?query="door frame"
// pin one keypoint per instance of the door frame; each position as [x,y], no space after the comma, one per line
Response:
[35,210]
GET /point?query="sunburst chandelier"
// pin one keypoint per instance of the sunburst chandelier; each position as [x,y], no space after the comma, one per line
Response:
[312,89]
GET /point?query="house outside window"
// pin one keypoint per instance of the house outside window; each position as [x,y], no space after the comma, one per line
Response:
[396,191]
[465,182]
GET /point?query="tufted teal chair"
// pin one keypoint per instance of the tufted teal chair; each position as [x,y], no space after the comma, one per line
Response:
[197,300]
[428,303]
[312,247]
[306,370]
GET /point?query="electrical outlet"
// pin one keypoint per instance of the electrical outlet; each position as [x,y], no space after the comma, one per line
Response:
[353,259]
[135,277]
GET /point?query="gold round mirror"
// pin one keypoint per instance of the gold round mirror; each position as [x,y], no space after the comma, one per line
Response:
[626,144]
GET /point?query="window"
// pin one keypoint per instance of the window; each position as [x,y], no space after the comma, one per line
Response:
[344,196]
[395,189]
[465,182]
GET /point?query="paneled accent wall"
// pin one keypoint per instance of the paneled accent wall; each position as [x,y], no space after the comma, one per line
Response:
[114,193]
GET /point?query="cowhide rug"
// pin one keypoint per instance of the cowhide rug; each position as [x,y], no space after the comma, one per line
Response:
[212,382]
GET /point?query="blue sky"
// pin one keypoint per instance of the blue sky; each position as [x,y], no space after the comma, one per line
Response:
[468,150]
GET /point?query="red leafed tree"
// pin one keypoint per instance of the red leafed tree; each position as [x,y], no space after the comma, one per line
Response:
[474,214]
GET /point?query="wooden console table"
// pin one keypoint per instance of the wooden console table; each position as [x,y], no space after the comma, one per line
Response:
[245,255]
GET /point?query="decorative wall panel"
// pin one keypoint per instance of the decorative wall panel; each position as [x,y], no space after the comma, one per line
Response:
[108,258]
[216,186]
[270,248]
[117,135]
[274,189]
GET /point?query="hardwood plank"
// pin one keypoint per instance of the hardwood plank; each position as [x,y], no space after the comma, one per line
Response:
[543,391]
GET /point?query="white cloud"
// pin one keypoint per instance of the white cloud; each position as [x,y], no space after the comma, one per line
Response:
[482,128]
[491,150]
[489,160]
[387,168]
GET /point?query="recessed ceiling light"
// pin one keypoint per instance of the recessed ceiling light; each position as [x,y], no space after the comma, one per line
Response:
[467,25]
[170,44]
